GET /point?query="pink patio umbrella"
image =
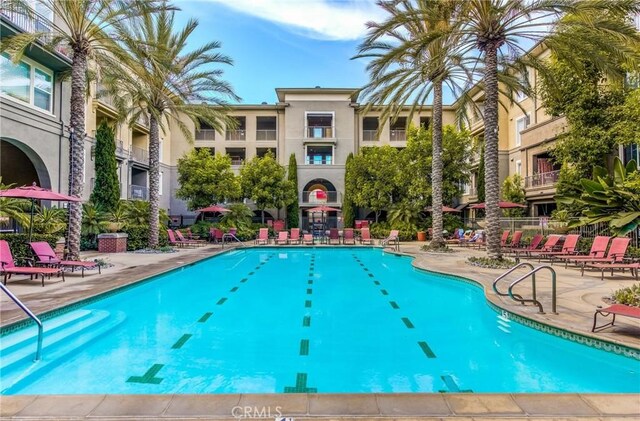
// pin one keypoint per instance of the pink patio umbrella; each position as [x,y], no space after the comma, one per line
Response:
[34,193]
[214,208]
[444,209]
[501,205]
[322,209]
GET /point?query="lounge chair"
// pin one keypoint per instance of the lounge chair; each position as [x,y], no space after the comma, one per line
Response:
[458,235]
[173,241]
[568,248]
[186,241]
[548,246]
[365,236]
[283,237]
[294,237]
[347,236]
[215,235]
[230,235]
[8,266]
[46,256]
[616,309]
[334,235]
[364,223]
[616,254]
[278,225]
[598,249]
[263,236]
[633,267]
[533,246]
[393,237]
[515,240]
[308,239]
[190,235]
[504,238]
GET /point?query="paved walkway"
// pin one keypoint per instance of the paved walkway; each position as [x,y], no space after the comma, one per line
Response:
[577,298]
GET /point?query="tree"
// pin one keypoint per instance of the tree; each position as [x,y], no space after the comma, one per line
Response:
[513,191]
[480,180]
[263,181]
[167,83]
[84,28]
[106,192]
[414,55]
[205,179]
[495,32]
[373,178]
[293,218]
[348,207]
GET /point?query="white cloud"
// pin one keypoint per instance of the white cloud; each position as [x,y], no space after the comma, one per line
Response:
[319,19]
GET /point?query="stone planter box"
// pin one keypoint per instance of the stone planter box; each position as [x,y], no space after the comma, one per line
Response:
[112,242]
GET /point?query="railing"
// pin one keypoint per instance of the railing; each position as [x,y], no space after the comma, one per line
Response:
[266,134]
[236,134]
[332,197]
[206,134]
[398,135]
[237,161]
[518,266]
[102,96]
[31,315]
[320,132]
[138,192]
[324,161]
[541,179]
[140,155]
[533,298]
[369,135]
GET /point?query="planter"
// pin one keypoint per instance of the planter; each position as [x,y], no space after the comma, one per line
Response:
[112,242]
[422,236]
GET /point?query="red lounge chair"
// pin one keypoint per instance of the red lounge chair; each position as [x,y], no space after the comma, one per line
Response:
[568,248]
[615,254]
[364,224]
[347,236]
[515,240]
[334,235]
[503,240]
[172,239]
[188,242]
[633,267]
[190,235]
[548,247]
[598,250]
[619,309]
[283,237]
[217,235]
[8,267]
[535,242]
[263,236]
[295,236]
[393,237]
[278,225]
[46,256]
[365,236]
[458,236]
[308,239]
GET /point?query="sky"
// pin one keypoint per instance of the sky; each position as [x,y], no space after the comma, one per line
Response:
[284,43]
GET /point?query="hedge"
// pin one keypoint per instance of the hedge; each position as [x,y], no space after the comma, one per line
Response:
[139,237]
[19,243]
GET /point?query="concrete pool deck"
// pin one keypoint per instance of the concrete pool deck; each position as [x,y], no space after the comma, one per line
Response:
[577,300]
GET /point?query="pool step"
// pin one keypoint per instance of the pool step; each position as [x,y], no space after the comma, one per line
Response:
[66,337]
[504,324]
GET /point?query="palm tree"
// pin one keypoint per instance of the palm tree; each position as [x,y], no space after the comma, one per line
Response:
[496,32]
[165,83]
[83,27]
[414,54]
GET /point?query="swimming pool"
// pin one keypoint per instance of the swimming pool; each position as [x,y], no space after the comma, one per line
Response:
[287,320]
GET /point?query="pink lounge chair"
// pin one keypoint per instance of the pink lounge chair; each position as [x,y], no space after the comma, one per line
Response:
[188,242]
[334,235]
[393,237]
[547,247]
[533,246]
[308,239]
[46,256]
[295,236]
[347,236]
[503,239]
[364,224]
[278,225]
[633,267]
[458,236]
[263,236]
[8,266]
[515,240]
[598,250]
[216,235]
[616,254]
[568,248]
[173,241]
[365,236]
[283,237]
[619,309]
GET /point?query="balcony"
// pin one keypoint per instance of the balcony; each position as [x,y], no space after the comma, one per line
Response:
[398,135]
[140,155]
[206,134]
[240,134]
[541,179]
[311,197]
[266,135]
[369,135]
[319,132]
[237,161]
[120,149]
[138,192]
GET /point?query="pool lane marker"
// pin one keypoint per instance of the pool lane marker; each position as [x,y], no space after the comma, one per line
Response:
[183,339]
[394,305]
[221,301]
[306,321]
[304,347]
[426,349]
[407,323]
[309,291]
[234,289]
[243,280]
[149,377]
[452,385]
[384,292]
[301,385]
[310,282]
[205,317]
[307,303]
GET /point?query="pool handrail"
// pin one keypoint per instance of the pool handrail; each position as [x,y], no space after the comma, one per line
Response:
[31,315]
[533,279]
[519,265]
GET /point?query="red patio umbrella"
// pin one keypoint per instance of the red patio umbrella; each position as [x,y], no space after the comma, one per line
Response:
[34,193]
[501,205]
[214,208]
[323,208]
[444,209]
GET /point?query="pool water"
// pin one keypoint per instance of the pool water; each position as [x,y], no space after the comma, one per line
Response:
[268,320]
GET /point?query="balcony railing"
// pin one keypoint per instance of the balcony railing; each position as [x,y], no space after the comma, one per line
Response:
[398,135]
[138,192]
[310,197]
[237,161]
[240,134]
[206,134]
[266,135]
[320,132]
[140,155]
[102,96]
[541,179]
[318,160]
[369,135]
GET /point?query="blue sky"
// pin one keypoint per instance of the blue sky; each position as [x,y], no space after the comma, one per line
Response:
[284,43]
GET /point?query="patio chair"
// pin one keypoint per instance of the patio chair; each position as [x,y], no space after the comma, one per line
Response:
[615,309]
[515,240]
[504,238]
[533,246]
[393,237]
[283,237]
[46,256]
[633,267]
[334,235]
[8,266]
[598,249]
[181,238]
[278,225]
[568,248]
[347,236]
[190,235]
[365,236]
[295,236]
[230,235]
[215,235]
[364,223]
[616,254]
[547,247]
[263,236]
[307,239]
[173,241]
[458,235]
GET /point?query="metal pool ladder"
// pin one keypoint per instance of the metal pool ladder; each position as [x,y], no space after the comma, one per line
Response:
[30,314]
[530,274]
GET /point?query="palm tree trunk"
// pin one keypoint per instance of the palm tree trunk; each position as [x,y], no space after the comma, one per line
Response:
[436,167]
[491,165]
[76,149]
[154,180]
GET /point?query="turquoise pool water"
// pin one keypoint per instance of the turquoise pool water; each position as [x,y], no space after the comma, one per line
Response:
[302,320]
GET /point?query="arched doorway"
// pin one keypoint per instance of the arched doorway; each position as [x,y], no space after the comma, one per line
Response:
[319,191]
[21,165]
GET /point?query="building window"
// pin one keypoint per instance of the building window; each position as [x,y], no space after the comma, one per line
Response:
[240,131]
[319,155]
[266,128]
[369,128]
[519,167]
[524,80]
[27,82]
[212,151]
[425,122]
[238,155]
[398,130]
[631,152]
[521,124]
[205,132]
[261,152]
[320,126]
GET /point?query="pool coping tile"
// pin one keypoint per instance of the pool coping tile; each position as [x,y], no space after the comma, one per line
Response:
[570,404]
[56,406]
[614,404]
[412,404]
[483,404]
[11,405]
[129,405]
[202,405]
[343,404]
[288,404]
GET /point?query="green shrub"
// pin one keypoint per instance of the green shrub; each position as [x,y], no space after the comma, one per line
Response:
[486,262]
[201,228]
[629,296]
[88,243]
[139,237]
[381,230]
[19,243]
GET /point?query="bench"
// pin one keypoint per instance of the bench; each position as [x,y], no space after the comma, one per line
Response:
[616,309]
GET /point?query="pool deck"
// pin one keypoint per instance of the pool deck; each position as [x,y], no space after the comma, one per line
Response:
[578,297]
